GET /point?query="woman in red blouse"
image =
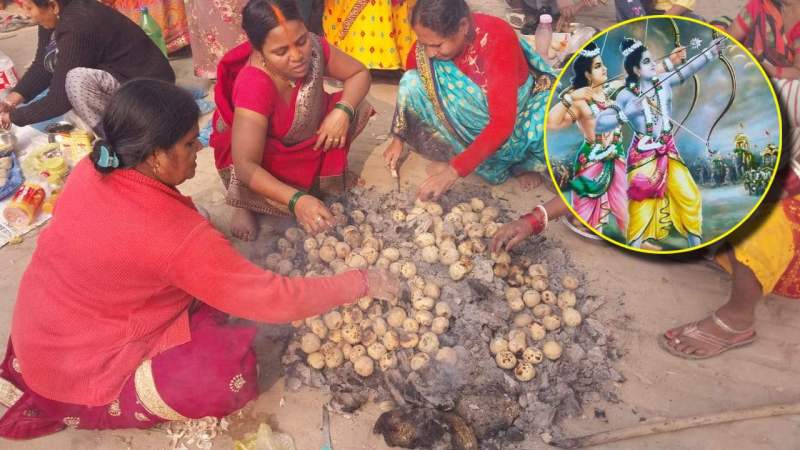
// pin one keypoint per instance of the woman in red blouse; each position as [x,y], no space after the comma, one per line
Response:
[474,101]
[120,320]
[277,133]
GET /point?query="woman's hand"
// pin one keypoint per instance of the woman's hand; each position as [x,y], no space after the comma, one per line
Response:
[333,131]
[511,234]
[382,285]
[438,183]
[5,120]
[392,154]
[313,215]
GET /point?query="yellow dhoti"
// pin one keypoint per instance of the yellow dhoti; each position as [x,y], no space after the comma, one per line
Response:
[680,207]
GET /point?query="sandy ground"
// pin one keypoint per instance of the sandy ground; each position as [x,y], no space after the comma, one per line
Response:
[644,296]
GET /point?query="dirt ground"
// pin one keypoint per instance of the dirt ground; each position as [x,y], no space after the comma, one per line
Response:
[644,295]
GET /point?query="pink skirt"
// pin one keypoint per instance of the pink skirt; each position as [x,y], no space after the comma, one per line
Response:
[215,374]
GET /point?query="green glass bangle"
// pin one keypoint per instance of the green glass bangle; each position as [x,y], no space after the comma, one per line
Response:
[346,109]
[294,199]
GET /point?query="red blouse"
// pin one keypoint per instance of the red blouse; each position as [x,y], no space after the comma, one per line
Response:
[494,60]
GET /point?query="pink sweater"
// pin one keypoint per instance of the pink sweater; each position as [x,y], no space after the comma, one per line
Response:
[114,273]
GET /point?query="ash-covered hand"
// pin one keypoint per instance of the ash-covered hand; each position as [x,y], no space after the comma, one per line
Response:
[382,285]
[438,183]
[511,234]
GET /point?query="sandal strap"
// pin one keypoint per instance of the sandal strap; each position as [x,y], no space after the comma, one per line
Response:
[724,326]
[695,333]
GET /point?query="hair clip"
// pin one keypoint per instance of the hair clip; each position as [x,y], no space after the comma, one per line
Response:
[107,159]
[636,44]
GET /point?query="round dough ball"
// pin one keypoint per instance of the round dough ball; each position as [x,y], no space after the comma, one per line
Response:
[506,360]
[502,257]
[356,261]
[489,214]
[443,309]
[391,253]
[370,254]
[388,361]
[516,304]
[469,217]
[552,350]
[531,298]
[465,248]
[447,355]
[380,326]
[498,345]
[408,340]
[373,243]
[424,318]
[316,360]
[327,253]
[357,351]
[478,246]
[342,250]
[434,209]
[408,270]
[364,366]
[333,320]
[382,263]
[424,303]
[537,270]
[410,325]
[428,342]
[376,350]
[375,311]
[566,299]
[396,317]
[351,333]
[431,290]
[346,348]
[334,358]
[284,267]
[569,282]
[458,270]
[337,208]
[327,347]
[523,320]
[352,314]
[358,216]
[440,325]
[318,327]
[430,254]
[524,371]
[477,204]
[390,340]
[474,230]
[335,336]
[425,239]
[310,343]
[551,323]
[398,216]
[294,234]
[572,318]
[364,303]
[532,355]
[539,282]
[310,244]
[513,293]
[395,268]
[448,255]
[501,270]
[537,331]
[284,244]
[419,361]
[518,343]
[541,310]
[368,336]
[313,256]
[549,298]
[490,229]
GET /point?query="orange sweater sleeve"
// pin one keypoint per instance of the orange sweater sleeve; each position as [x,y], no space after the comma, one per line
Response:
[501,68]
[207,267]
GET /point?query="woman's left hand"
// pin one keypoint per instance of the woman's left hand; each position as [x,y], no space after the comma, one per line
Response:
[333,131]
[510,235]
[438,184]
[5,120]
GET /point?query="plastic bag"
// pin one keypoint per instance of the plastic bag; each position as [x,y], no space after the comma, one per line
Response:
[265,439]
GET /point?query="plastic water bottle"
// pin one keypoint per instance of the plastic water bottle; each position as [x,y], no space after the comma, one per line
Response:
[152,30]
[8,77]
[544,36]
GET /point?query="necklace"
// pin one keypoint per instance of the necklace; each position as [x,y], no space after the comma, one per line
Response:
[276,76]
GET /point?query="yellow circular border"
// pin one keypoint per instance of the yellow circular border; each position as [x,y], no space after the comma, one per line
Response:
[568,65]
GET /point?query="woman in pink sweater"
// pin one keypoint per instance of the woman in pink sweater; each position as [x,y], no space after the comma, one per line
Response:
[120,319]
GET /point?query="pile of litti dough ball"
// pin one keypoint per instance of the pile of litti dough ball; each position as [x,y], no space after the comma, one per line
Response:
[371,332]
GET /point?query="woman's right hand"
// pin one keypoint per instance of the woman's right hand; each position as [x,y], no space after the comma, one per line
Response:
[381,284]
[392,154]
[312,215]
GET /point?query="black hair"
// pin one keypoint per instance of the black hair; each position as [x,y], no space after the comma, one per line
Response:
[581,65]
[440,16]
[142,116]
[43,3]
[634,59]
[259,18]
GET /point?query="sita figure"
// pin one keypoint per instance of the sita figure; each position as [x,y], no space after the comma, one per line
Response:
[661,191]
[599,187]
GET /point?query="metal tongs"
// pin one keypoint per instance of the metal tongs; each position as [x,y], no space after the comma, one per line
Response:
[326,429]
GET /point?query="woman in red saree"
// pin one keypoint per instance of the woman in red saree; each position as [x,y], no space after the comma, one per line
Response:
[277,133]
[119,318]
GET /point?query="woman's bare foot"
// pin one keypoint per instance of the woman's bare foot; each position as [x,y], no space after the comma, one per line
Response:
[244,224]
[723,330]
[435,167]
[530,180]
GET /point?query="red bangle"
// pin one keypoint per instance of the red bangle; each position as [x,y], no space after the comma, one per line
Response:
[537,225]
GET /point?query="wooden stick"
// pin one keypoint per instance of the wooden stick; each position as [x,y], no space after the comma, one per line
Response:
[670,425]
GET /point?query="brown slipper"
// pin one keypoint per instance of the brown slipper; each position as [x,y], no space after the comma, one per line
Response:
[716,344]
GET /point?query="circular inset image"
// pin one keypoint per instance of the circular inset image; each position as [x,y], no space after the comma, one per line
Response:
[663,135]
